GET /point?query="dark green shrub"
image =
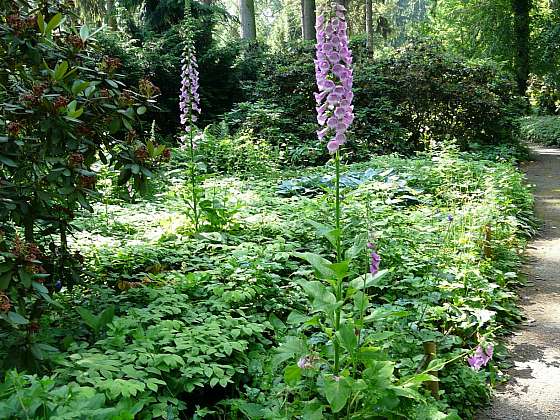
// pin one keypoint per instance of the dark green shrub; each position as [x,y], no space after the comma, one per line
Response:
[402,102]
[63,109]
[155,50]
[541,129]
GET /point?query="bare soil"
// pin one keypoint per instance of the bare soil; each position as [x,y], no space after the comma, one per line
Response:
[533,393]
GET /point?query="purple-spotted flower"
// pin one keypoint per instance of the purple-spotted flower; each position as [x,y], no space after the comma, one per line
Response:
[375,259]
[189,100]
[481,357]
[333,73]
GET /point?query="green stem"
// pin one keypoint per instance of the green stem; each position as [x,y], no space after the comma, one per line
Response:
[337,209]
[338,259]
[193,179]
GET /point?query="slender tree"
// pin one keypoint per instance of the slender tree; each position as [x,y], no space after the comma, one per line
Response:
[247,18]
[521,12]
[308,19]
[369,26]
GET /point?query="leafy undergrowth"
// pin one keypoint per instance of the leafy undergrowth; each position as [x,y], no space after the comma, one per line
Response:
[544,129]
[173,323]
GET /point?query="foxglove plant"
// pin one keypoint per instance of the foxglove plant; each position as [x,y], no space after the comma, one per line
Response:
[189,105]
[333,74]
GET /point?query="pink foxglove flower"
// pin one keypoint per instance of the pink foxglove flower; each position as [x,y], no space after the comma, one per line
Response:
[375,259]
[333,73]
[189,100]
[481,357]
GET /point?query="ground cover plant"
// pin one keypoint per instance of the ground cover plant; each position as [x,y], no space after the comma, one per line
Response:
[543,129]
[216,323]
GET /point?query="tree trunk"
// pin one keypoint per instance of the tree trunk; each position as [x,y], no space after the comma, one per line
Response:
[369,26]
[308,19]
[111,18]
[247,17]
[521,10]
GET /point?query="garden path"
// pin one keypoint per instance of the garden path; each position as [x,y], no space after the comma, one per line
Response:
[534,389]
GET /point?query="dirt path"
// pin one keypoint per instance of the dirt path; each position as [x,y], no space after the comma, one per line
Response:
[534,389]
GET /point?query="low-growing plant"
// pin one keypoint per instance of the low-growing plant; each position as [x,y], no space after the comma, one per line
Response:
[543,130]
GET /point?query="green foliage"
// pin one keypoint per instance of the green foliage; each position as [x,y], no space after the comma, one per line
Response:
[541,130]
[402,102]
[154,50]
[246,152]
[481,30]
[63,109]
[201,313]
[435,97]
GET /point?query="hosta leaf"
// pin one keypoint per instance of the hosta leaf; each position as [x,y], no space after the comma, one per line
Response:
[16,318]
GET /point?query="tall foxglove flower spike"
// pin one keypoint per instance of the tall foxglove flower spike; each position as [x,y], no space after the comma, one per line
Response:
[189,99]
[333,73]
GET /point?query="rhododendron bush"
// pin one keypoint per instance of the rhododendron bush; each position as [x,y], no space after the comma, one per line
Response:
[63,110]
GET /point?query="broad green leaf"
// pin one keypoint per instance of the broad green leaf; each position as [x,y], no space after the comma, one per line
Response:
[359,245]
[329,232]
[379,374]
[292,374]
[8,162]
[322,299]
[72,106]
[84,33]
[292,347]
[127,125]
[296,317]
[40,287]
[370,280]
[60,70]
[91,320]
[347,337]
[114,125]
[5,279]
[53,23]
[78,86]
[321,266]
[89,91]
[141,110]
[418,379]
[340,269]
[379,314]
[25,277]
[337,393]
[41,23]
[106,316]
[361,302]
[276,323]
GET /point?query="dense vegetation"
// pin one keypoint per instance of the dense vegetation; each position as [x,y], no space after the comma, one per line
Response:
[541,129]
[189,314]
[158,263]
